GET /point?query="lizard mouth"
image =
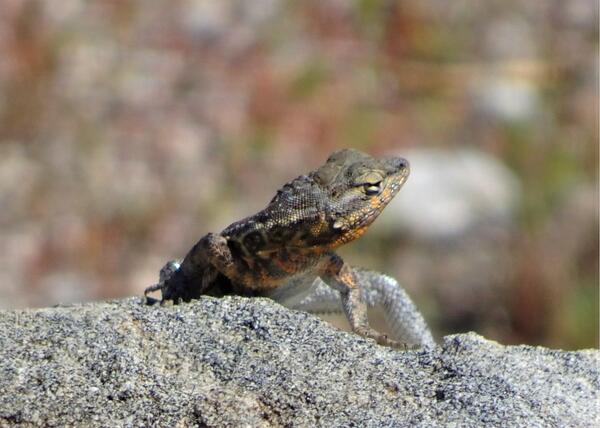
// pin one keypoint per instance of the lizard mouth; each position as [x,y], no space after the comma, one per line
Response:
[398,176]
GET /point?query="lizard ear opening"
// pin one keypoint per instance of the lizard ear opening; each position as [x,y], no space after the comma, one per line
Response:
[326,174]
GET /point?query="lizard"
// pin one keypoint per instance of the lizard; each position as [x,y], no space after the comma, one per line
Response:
[287,250]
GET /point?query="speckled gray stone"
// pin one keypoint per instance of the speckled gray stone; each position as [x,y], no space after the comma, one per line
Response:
[251,362]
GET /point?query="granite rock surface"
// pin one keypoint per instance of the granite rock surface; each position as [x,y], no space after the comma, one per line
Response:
[250,362]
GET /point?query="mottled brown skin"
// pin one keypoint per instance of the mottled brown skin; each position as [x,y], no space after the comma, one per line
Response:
[295,235]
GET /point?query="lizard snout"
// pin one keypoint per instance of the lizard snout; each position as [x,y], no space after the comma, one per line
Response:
[399,165]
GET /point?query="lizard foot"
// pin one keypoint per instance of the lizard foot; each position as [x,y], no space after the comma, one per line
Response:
[381,339]
[175,286]
[166,284]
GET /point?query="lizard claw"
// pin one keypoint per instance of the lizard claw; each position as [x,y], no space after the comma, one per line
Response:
[386,341]
[381,339]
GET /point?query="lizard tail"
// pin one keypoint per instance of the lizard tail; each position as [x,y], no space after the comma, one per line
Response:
[404,320]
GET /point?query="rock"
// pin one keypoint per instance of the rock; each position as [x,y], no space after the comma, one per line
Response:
[250,362]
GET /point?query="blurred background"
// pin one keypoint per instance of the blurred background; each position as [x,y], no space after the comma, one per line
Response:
[129,129]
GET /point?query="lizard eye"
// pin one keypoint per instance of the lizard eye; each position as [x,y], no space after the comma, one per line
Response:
[373,188]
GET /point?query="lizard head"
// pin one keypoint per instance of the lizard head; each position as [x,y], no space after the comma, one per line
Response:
[358,187]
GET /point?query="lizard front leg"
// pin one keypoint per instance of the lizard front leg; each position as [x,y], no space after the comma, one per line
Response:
[341,277]
[194,275]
